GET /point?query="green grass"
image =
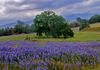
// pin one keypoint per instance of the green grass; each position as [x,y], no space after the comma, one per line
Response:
[86,36]
[79,37]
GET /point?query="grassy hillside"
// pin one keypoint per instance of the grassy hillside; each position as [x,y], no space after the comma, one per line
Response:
[93,28]
[95,25]
[79,36]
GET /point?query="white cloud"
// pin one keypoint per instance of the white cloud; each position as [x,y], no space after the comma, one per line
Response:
[12,9]
[8,9]
[2,10]
[86,6]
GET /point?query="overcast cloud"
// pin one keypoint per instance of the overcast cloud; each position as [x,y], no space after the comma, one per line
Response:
[25,9]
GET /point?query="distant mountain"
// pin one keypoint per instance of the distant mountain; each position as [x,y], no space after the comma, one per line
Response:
[13,24]
[7,25]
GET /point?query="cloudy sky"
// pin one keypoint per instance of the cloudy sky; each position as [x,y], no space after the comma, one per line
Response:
[12,10]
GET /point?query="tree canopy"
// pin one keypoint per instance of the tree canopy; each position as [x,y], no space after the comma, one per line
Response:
[19,28]
[94,19]
[52,24]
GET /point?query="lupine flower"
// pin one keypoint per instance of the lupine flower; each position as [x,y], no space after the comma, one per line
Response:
[30,55]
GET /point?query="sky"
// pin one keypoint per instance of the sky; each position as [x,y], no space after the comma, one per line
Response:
[26,10]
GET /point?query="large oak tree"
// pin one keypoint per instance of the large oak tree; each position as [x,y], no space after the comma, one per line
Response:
[52,25]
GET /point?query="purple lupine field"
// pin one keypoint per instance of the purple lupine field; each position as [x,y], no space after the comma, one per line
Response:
[25,55]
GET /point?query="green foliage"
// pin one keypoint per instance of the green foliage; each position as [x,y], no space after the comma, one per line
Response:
[83,23]
[6,31]
[32,28]
[94,19]
[19,28]
[52,25]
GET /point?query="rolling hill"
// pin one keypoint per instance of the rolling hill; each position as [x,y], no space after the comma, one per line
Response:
[93,27]
[12,24]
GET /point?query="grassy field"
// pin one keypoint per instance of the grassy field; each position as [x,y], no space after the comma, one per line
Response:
[90,34]
[79,37]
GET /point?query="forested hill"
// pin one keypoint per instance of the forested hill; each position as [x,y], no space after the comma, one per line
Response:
[12,24]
